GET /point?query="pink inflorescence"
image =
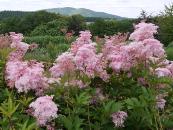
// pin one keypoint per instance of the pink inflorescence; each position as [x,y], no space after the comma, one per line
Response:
[143,31]
[44,109]
[160,102]
[20,48]
[84,38]
[122,56]
[82,58]
[88,62]
[118,118]
[24,75]
[64,64]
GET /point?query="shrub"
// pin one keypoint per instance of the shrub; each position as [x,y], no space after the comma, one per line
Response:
[169,51]
[53,28]
[44,40]
[125,84]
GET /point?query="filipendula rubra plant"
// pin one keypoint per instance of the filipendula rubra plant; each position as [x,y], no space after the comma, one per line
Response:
[121,84]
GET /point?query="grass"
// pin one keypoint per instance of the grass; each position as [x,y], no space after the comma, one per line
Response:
[44,40]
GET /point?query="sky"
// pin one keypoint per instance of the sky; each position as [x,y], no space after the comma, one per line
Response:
[125,8]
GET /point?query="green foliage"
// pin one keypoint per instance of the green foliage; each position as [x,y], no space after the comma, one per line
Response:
[27,23]
[47,53]
[164,20]
[76,109]
[76,23]
[110,27]
[49,47]
[169,52]
[165,34]
[8,14]
[52,28]
[27,126]
[9,25]
[145,105]
[8,107]
[44,40]
[13,115]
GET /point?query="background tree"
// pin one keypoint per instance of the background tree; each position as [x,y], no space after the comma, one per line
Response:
[29,22]
[110,27]
[165,23]
[76,23]
[10,25]
[52,28]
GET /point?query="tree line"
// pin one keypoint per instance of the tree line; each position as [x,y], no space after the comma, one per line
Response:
[42,23]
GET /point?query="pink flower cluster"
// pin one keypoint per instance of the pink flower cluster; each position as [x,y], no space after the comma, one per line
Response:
[84,38]
[81,58]
[19,46]
[83,62]
[123,56]
[24,75]
[118,118]
[78,83]
[160,102]
[64,64]
[90,63]
[166,70]
[143,31]
[116,53]
[44,109]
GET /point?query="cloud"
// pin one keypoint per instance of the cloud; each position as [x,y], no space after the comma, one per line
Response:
[127,8]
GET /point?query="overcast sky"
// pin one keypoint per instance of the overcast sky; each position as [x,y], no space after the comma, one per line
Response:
[126,8]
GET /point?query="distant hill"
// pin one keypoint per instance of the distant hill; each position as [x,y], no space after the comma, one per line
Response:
[7,14]
[82,11]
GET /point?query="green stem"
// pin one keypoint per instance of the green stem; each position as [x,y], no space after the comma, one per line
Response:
[89,118]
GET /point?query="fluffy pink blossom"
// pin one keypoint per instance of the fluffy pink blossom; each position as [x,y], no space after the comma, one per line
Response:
[44,109]
[16,55]
[160,102]
[25,76]
[126,57]
[118,118]
[32,79]
[99,94]
[33,46]
[143,31]
[142,81]
[17,41]
[53,80]
[86,60]
[154,48]
[19,46]
[112,45]
[170,68]
[64,64]
[121,56]
[89,62]
[84,38]
[162,72]
[16,37]
[14,70]
[81,58]
[78,83]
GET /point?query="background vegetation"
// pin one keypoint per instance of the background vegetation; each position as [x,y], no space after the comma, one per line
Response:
[44,27]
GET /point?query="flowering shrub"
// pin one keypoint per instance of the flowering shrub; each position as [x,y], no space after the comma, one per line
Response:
[44,109]
[24,75]
[121,84]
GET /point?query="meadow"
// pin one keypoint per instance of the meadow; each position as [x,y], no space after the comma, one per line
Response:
[121,82]
[59,73]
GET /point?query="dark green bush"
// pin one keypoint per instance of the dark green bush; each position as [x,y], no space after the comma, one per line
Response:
[52,28]
[44,40]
